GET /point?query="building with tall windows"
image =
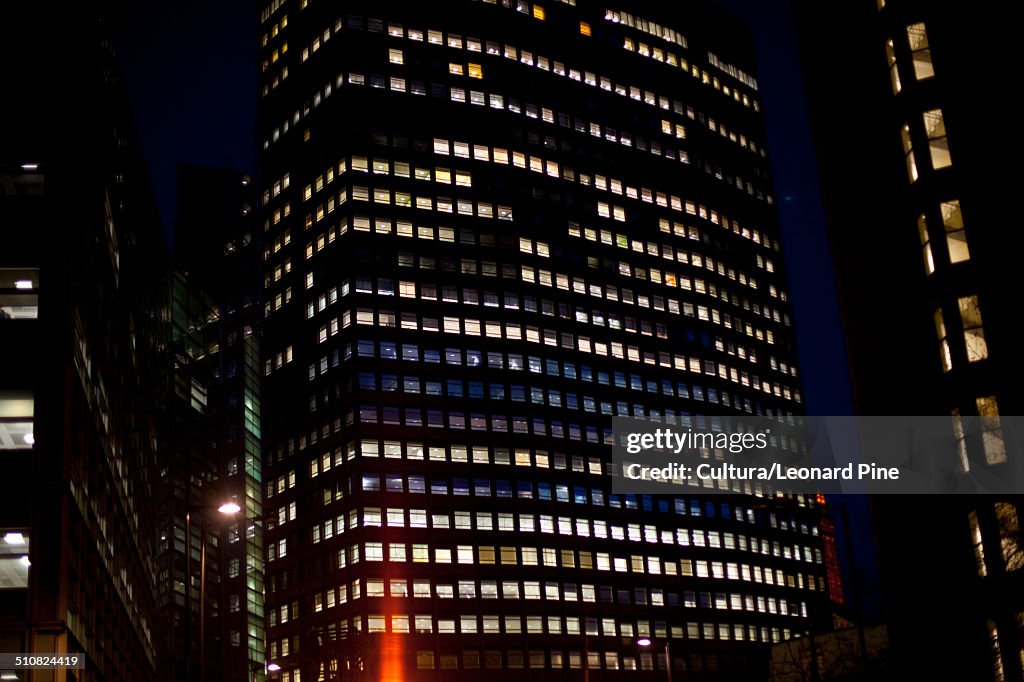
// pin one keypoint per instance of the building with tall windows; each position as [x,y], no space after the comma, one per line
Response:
[918,220]
[80,257]
[489,227]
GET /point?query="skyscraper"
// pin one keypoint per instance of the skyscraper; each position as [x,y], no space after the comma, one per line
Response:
[924,260]
[488,228]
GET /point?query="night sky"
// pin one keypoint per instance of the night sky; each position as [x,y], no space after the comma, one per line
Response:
[190,71]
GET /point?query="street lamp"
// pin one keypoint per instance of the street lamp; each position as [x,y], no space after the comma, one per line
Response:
[647,641]
[228,508]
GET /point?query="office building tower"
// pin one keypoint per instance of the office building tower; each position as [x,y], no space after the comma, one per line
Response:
[907,128]
[80,254]
[489,227]
[214,430]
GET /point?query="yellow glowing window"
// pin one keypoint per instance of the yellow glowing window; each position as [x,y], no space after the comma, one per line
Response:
[974,333]
[454,68]
[584,28]
[396,56]
[476,71]
[538,12]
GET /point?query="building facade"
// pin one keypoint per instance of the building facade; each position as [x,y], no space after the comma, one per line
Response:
[216,319]
[489,227]
[80,253]
[923,259]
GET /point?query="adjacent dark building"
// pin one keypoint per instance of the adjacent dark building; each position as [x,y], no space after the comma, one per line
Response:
[80,253]
[910,134]
[213,414]
[488,227]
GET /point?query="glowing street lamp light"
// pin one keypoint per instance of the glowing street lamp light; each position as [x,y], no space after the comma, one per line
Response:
[229,508]
[273,667]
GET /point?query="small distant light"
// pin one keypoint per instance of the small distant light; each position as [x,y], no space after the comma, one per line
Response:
[23,284]
[29,166]
[29,438]
[644,641]
[229,508]
[9,676]
[24,561]
[14,538]
[273,667]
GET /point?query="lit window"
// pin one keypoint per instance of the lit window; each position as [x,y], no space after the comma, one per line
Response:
[998,672]
[908,151]
[991,430]
[475,71]
[455,69]
[1008,520]
[584,28]
[894,74]
[940,330]
[396,56]
[16,421]
[538,12]
[938,145]
[926,248]
[956,236]
[14,563]
[974,334]
[19,297]
[917,36]
[424,659]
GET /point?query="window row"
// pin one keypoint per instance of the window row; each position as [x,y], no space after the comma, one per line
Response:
[399,588]
[389,351]
[575,284]
[517,659]
[513,301]
[581,286]
[424,553]
[538,395]
[484,521]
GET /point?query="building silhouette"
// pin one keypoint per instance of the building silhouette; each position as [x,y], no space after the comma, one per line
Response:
[906,126]
[488,228]
[80,260]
